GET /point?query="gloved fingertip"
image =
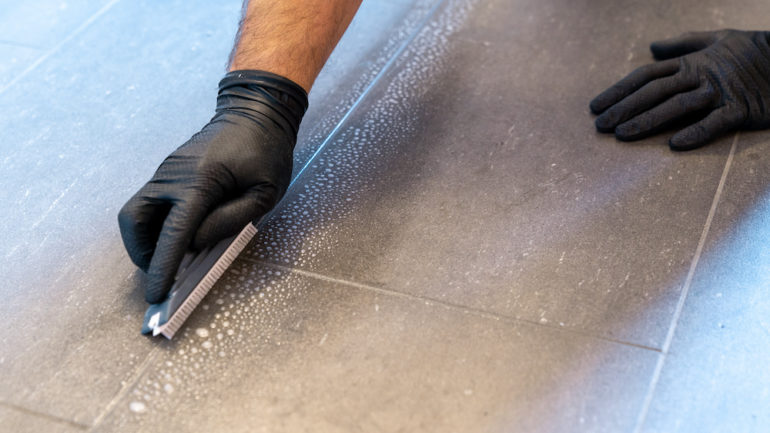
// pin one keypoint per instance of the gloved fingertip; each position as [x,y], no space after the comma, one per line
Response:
[596,106]
[604,125]
[680,144]
[659,51]
[628,131]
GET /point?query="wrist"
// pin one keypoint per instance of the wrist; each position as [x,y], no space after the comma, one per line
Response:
[261,94]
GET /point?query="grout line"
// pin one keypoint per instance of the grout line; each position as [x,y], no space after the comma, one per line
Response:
[463,308]
[385,68]
[58,46]
[333,134]
[47,416]
[126,387]
[685,290]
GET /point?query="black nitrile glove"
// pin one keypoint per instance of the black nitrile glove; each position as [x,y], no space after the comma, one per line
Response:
[722,75]
[230,173]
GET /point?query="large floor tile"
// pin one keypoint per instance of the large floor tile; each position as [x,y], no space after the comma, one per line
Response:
[271,351]
[449,184]
[714,378]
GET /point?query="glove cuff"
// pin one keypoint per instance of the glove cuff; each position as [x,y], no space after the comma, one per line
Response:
[276,97]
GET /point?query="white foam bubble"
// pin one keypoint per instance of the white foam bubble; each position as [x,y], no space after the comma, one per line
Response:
[137,407]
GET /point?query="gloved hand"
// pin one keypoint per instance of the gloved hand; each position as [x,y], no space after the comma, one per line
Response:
[724,75]
[231,172]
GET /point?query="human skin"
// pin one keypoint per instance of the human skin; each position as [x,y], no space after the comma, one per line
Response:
[291,38]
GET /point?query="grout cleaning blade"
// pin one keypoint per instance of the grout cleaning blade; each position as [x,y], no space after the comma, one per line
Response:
[196,275]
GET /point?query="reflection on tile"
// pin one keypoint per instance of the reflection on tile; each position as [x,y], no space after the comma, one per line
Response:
[20,421]
[72,300]
[14,59]
[277,351]
[447,185]
[715,378]
[43,23]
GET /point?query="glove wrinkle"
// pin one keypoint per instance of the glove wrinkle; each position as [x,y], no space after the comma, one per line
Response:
[279,99]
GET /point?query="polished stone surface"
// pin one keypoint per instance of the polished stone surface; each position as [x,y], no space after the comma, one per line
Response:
[465,254]
[278,351]
[550,222]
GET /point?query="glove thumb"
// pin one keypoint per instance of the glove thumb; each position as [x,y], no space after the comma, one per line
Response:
[683,44]
[229,218]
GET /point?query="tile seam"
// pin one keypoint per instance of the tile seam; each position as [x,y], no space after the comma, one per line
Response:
[137,374]
[43,415]
[338,127]
[475,311]
[685,290]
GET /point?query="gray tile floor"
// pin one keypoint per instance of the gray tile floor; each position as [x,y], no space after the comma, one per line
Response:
[465,253]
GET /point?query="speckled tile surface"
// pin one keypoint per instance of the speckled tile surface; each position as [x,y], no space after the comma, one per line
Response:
[278,351]
[465,254]
[713,378]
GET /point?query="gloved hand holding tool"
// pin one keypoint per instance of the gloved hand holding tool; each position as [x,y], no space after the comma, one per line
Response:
[200,209]
[722,77]
[230,173]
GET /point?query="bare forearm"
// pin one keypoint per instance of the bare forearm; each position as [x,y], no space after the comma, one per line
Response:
[291,38]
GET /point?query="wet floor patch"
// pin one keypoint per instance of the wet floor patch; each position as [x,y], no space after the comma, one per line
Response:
[305,222]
